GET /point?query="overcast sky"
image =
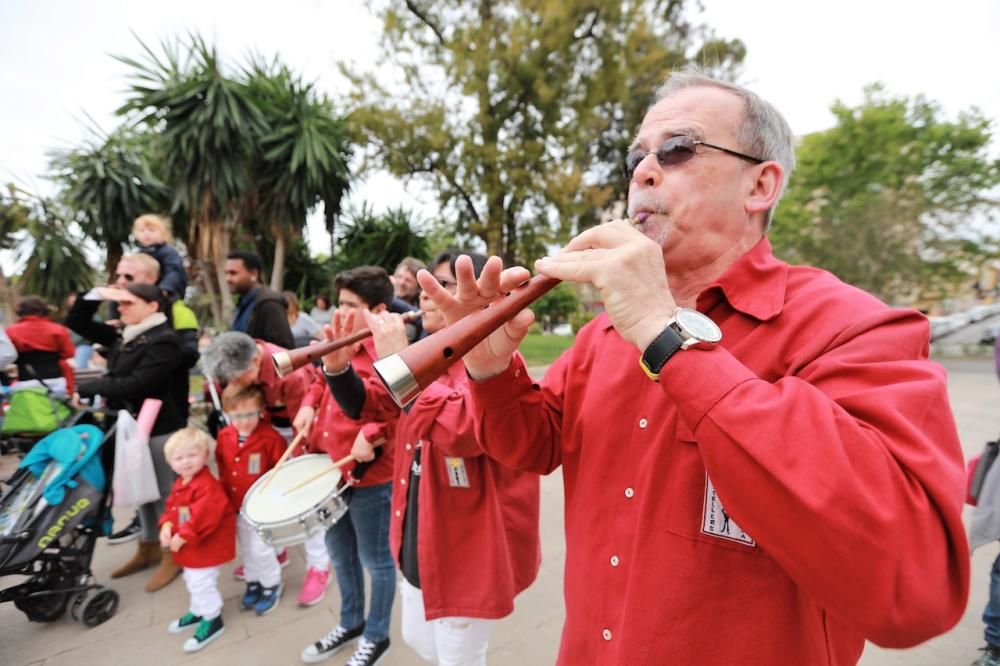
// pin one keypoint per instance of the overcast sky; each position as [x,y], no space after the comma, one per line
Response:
[55,63]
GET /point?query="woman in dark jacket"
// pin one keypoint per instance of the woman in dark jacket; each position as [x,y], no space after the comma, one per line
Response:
[145,361]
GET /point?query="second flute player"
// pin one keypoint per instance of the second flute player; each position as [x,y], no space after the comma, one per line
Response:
[770,475]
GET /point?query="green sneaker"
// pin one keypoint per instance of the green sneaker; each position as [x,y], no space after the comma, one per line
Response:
[208,631]
[187,622]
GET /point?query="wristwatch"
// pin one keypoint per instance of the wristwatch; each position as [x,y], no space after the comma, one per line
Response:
[685,329]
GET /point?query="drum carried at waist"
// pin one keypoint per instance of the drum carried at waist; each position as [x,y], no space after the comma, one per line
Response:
[304,497]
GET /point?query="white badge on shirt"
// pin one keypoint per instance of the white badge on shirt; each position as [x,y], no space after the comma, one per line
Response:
[183,514]
[716,522]
[253,464]
[457,477]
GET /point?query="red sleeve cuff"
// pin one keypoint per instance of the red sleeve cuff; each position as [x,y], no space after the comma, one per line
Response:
[696,379]
[500,390]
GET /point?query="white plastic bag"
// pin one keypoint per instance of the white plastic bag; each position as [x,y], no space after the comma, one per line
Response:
[134,479]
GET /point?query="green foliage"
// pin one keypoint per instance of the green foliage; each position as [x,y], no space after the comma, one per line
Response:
[53,257]
[305,274]
[379,240]
[517,112]
[888,198]
[556,305]
[580,318]
[543,349]
[108,182]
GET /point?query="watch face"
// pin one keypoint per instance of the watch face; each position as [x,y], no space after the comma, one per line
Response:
[698,325]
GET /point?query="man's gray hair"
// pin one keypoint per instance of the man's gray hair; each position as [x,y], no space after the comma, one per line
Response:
[230,355]
[764,132]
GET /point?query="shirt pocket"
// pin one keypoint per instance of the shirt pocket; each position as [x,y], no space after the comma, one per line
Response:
[694,509]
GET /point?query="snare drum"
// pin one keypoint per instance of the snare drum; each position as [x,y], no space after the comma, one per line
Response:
[284,519]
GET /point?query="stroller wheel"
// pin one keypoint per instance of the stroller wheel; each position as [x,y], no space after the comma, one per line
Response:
[97,607]
[43,608]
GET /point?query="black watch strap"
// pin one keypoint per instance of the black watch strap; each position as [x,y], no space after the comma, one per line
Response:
[659,352]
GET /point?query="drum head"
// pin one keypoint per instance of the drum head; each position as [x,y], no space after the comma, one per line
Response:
[279,500]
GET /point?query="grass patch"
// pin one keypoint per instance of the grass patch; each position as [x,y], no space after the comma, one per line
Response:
[543,349]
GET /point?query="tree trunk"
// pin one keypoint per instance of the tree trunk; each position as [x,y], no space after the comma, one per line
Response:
[332,228]
[207,278]
[278,268]
[9,299]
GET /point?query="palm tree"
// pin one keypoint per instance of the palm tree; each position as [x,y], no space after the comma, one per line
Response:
[301,160]
[379,240]
[55,262]
[108,182]
[205,122]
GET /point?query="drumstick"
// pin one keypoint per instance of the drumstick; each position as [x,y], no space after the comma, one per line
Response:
[283,458]
[337,465]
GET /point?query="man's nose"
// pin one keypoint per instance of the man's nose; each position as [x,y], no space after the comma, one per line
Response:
[648,172]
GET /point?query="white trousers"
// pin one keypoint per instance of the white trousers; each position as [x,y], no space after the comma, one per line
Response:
[317,556]
[260,565]
[448,641]
[203,586]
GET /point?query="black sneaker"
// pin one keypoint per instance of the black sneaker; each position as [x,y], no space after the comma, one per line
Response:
[368,653]
[330,644]
[990,656]
[207,631]
[128,533]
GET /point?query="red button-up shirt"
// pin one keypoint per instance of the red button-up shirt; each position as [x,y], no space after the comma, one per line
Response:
[776,499]
[241,466]
[477,537]
[283,395]
[334,433]
[200,512]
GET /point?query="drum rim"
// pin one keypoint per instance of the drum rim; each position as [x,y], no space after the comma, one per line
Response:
[335,496]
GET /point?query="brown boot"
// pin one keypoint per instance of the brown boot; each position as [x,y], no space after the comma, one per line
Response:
[167,572]
[147,555]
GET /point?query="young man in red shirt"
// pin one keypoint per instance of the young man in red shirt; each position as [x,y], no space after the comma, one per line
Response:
[361,537]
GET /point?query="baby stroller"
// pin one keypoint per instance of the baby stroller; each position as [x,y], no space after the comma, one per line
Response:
[50,518]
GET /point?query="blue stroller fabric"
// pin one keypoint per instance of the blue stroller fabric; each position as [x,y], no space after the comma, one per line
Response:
[74,449]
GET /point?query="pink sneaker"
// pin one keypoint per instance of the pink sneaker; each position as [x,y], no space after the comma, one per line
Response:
[314,587]
[238,573]
[283,558]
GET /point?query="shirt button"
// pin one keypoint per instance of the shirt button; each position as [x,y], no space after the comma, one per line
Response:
[397,513]
[614,560]
[234,472]
[629,493]
[408,446]
[326,434]
[402,482]
[237,459]
[607,634]
[517,373]
[643,423]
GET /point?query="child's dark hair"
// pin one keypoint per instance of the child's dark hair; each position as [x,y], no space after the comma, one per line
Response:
[370,283]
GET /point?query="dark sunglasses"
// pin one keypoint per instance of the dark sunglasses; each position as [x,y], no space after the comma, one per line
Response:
[673,151]
[128,276]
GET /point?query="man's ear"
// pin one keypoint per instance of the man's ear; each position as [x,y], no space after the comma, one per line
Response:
[379,309]
[764,188]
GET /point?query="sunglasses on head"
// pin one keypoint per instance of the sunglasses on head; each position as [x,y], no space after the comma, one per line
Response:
[128,277]
[676,150]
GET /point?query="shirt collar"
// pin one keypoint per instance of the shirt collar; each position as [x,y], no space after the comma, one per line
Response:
[754,285]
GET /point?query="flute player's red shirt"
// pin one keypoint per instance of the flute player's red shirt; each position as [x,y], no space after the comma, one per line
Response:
[776,499]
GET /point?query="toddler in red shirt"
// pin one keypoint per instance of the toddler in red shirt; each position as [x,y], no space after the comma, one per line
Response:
[245,451]
[198,526]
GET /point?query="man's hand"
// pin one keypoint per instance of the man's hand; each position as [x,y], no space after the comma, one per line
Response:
[627,268]
[491,356]
[388,332]
[303,420]
[176,542]
[363,450]
[341,325]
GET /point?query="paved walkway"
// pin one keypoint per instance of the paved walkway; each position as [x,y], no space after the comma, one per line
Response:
[137,634]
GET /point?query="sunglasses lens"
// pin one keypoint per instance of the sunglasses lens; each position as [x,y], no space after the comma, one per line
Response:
[632,163]
[676,150]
